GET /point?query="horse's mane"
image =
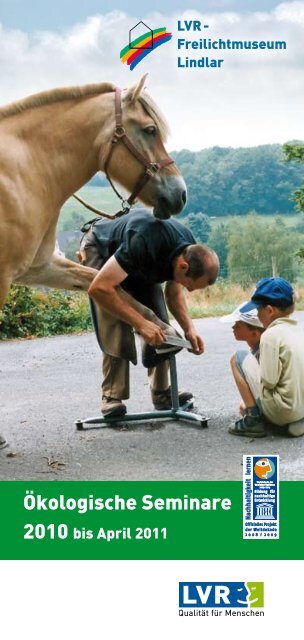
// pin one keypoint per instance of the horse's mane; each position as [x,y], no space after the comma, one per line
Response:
[67,93]
[54,95]
[156,114]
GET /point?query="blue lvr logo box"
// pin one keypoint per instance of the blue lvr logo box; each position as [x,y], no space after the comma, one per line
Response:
[241,595]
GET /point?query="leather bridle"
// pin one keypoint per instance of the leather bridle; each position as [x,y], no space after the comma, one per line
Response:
[150,168]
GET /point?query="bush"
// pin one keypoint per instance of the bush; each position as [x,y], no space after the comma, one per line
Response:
[32,312]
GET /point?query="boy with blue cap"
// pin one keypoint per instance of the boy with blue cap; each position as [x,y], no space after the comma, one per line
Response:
[280,372]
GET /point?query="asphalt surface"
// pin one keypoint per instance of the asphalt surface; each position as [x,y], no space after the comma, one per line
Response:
[46,384]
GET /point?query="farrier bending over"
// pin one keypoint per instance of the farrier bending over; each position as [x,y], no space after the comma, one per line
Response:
[135,254]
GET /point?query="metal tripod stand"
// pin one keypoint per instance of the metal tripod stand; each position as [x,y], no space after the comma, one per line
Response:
[175,413]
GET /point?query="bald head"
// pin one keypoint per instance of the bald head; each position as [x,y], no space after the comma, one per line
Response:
[202,261]
[196,267]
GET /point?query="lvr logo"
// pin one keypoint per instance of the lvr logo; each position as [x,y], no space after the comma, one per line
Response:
[242,595]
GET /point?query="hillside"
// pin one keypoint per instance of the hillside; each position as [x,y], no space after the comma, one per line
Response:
[221,181]
[225,181]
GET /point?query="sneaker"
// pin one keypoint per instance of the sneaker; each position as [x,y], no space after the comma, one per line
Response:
[112,407]
[296,429]
[249,425]
[3,442]
[162,399]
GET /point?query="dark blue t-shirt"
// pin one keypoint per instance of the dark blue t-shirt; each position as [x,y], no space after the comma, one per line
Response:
[143,246]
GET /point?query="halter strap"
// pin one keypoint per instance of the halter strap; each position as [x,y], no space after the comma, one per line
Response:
[151,168]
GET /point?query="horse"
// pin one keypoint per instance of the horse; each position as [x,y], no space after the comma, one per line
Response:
[51,144]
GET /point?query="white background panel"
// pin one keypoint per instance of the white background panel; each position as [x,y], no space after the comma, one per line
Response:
[138,600]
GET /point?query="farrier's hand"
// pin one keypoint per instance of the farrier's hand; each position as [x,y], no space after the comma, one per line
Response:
[151,333]
[80,255]
[198,346]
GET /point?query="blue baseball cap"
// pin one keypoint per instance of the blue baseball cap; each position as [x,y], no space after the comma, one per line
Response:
[275,291]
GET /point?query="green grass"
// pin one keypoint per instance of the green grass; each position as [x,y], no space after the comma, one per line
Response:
[102,198]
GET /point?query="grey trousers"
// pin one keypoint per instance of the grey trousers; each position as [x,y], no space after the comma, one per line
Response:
[117,338]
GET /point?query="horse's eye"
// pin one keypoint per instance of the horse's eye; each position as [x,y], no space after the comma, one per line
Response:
[150,131]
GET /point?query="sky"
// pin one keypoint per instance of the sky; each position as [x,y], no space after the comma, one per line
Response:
[256,97]
[39,14]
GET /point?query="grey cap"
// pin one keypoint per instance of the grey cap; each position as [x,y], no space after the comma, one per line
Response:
[250,317]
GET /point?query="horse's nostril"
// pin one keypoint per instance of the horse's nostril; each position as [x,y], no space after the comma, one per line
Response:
[184,197]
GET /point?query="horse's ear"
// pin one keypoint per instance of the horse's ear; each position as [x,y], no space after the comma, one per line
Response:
[134,92]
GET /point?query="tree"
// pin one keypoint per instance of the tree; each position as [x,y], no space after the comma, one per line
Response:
[218,241]
[71,248]
[294,152]
[199,224]
[233,181]
[256,250]
[74,221]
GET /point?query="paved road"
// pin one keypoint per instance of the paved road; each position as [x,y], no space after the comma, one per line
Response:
[48,383]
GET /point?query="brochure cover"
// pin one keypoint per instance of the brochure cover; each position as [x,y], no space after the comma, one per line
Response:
[175,511]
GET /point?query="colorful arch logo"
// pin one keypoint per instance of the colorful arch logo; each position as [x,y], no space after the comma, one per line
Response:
[139,47]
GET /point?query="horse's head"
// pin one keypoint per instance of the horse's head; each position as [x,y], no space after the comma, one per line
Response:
[146,130]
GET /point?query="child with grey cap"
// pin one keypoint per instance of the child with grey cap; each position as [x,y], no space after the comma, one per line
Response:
[277,394]
[248,328]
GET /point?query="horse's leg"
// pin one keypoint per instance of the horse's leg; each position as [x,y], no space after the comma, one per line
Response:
[59,273]
[146,312]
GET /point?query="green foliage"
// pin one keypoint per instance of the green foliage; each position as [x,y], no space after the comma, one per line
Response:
[294,152]
[74,221]
[257,250]
[234,181]
[221,181]
[299,226]
[71,248]
[32,312]
[300,254]
[298,198]
[218,241]
[199,225]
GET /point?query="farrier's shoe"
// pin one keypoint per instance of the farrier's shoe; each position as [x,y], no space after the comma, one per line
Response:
[162,399]
[296,429]
[3,442]
[252,424]
[112,407]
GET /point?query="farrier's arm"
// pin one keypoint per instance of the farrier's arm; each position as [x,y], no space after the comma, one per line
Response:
[105,291]
[176,302]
